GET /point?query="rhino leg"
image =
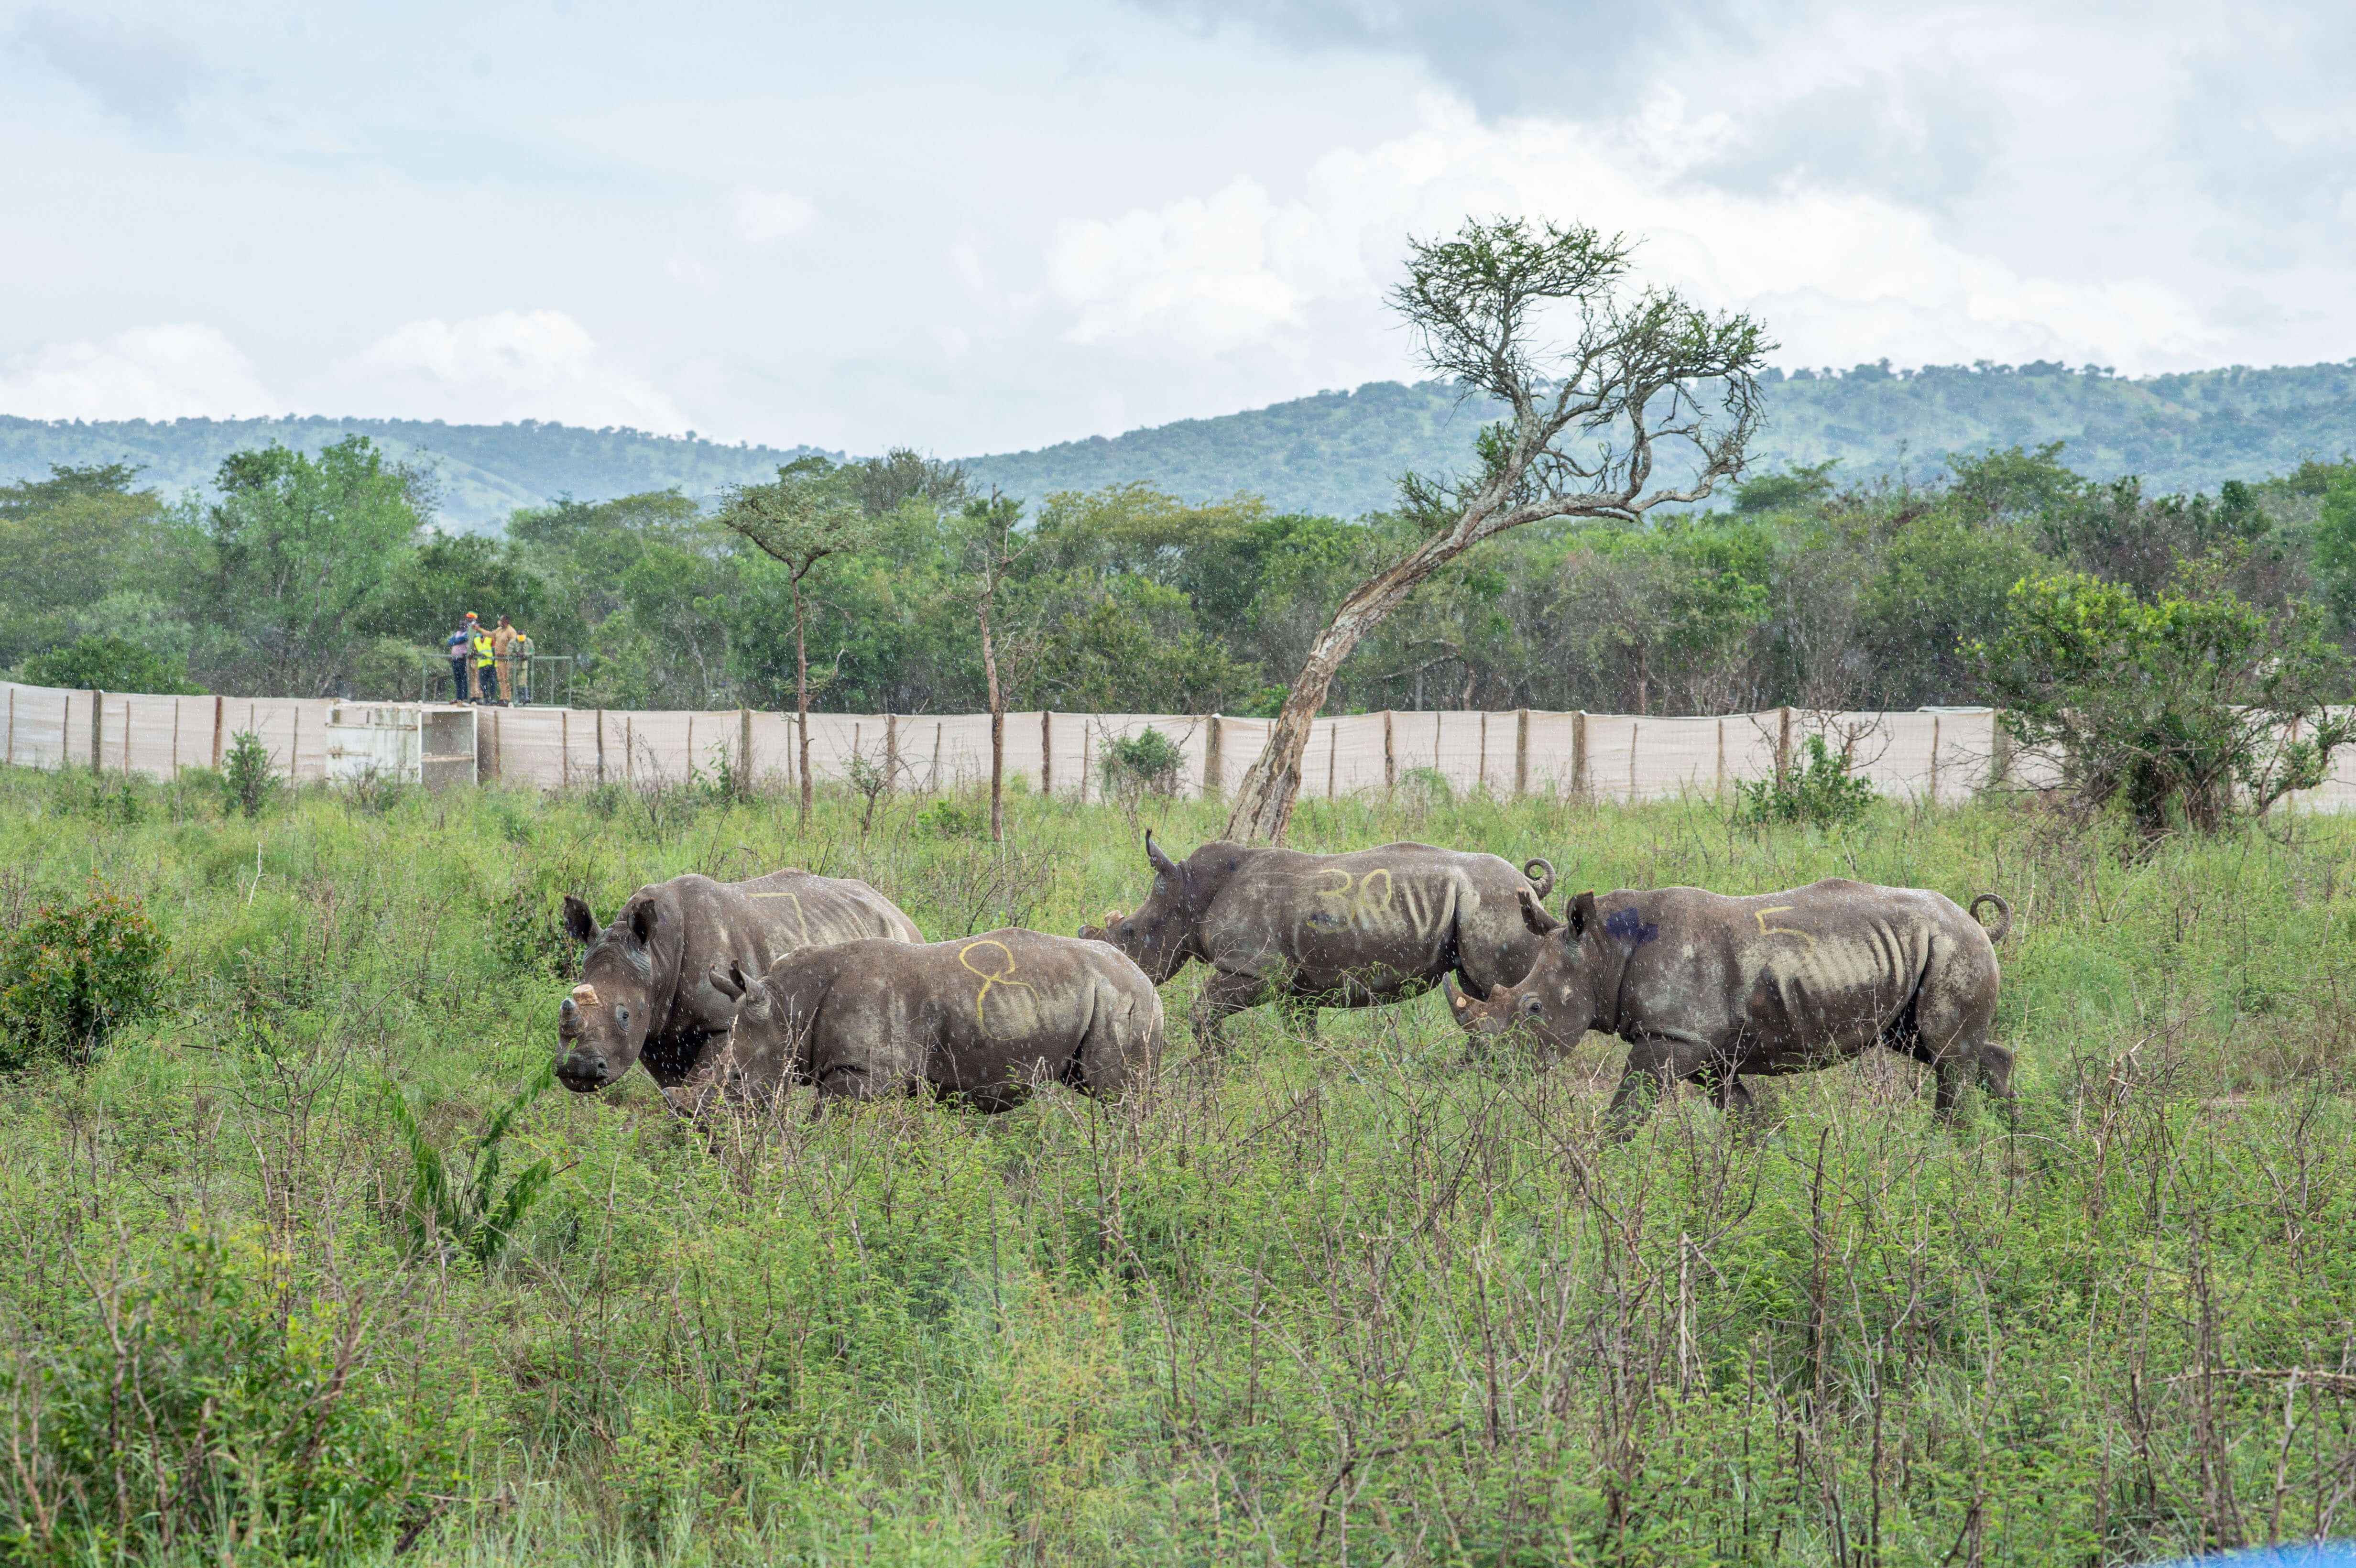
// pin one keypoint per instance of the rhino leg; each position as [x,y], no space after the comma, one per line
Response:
[1226,996]
[1654,1064]
[1948,1029]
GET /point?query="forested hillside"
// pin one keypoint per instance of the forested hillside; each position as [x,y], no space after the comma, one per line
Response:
[480,473]
[1339,453]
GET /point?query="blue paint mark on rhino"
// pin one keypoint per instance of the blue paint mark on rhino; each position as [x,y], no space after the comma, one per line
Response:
[1630,927]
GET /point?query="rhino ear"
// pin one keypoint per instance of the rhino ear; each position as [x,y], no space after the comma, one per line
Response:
[1533,914]
[728,982]
[642,920]
[1583,914]
[579,924]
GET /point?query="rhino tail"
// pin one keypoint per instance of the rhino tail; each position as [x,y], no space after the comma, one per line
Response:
[1540,871]
[2003,915]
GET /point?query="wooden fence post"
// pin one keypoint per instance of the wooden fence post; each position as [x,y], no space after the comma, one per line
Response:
[97,707]
[126,734]
[1782,741]
[12,726]
[1633,730]
[1721,758]
[295,750]
[744,753]
[1088,740]
[1391,758]
[2000,751]
[601,745]
[1214,759]
[216,732]
[1579,756]
[1521,753]
[1480,767]
[936,785]
[1333,754]
[891,754]
[564,748]
[1935,759]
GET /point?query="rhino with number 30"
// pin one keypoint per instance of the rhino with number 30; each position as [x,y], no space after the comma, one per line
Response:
[1716,989]
[646,993]
[1307,931]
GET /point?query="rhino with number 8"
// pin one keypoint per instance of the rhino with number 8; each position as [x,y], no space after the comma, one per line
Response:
[1359,930]
[646,993]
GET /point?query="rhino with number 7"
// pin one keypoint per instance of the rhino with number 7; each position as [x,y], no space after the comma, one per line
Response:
[1307,931]
[1716,989]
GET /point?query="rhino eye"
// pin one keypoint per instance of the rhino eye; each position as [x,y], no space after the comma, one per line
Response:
[622,1015]
[1531,1006]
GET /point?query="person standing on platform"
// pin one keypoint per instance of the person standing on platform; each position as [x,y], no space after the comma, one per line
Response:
[503,636]
[486,676]
[519,652]
[461,644]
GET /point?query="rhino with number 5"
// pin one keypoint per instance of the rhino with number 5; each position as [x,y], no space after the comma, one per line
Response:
[982,1021]
[1307,931]
[646,993]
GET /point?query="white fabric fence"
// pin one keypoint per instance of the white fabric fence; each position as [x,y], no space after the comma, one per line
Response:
[1935,754]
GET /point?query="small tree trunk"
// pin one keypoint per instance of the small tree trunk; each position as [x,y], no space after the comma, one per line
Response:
[997,730]
[1263,808]
[801,695]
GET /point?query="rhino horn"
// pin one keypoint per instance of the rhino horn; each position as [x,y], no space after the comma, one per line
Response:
[1458,1003]
[726,982]
[568,1012]
[586,995]
[1162,862]
[1533,914]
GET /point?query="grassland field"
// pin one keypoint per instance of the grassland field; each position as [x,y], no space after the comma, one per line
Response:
[1357,1298]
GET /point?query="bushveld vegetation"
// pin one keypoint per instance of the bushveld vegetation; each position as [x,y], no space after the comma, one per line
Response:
[318,576]
[274,1295]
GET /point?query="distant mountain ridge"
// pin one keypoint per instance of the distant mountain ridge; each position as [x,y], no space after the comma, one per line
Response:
[1342,453]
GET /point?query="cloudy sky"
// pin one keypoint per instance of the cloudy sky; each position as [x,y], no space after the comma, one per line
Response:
[976,229]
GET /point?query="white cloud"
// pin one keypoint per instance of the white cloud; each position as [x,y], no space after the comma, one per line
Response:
[1281,292]
[513,365]
[682,268]
[766,217]
[149,372]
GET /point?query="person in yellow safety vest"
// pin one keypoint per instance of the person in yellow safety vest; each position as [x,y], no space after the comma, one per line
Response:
[521,652]
[503,639]
[484,660]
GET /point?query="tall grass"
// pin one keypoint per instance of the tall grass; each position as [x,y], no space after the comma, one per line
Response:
[1355,1299]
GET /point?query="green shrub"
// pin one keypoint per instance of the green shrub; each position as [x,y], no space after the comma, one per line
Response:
[249,782]
[1426,787]
[464,1210]
[183,1412]
[1144,763]
[950,817]
[1821,792]
[112,663]
[74,974]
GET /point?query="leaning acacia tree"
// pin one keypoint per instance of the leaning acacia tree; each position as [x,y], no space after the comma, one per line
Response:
[1644,376]
[800,520]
